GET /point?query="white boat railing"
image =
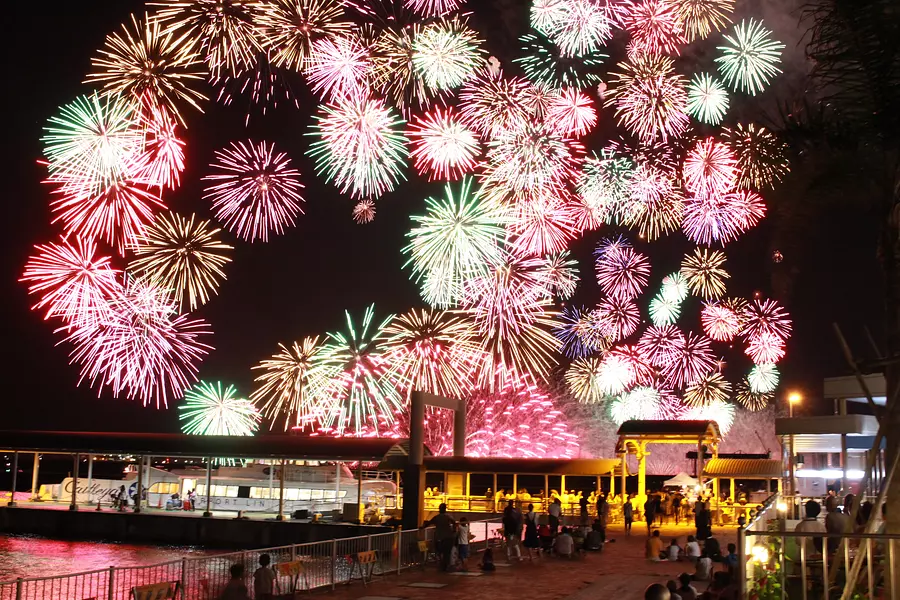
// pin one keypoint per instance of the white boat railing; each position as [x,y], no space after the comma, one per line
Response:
[309,566]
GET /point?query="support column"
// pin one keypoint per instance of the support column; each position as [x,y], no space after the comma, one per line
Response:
[546,487]
[844,462]
[459,430]
[414,475]
[599,485]
[359,498]
[337,485]
[562,484]
[208,512]
[280,515]
[15,476]
[271,479]
[612,483]
[624,472]
[140,485]
[90,476]
[642,473]
[74,505]
[35,491]
[733,495]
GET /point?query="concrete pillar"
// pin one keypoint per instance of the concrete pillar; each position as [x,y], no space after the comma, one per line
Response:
[35,490]
[15,476]
[90,476]
[459,430]
[140,485]
[73,505]
[208,512]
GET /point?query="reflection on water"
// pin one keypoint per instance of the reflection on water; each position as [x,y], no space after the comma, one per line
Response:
[32,556]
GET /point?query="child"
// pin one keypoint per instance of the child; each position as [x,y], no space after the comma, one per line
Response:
[673,550]
[462,543]
[235,590]
[704,568]
[264,579]
[487,560]
[692,549]
[731,559]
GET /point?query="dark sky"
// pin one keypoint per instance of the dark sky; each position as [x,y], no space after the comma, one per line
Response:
[300,283]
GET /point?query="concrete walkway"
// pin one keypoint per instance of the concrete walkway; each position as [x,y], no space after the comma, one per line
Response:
[620,572]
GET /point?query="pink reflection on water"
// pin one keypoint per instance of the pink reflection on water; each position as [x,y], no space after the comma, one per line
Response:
[29,556]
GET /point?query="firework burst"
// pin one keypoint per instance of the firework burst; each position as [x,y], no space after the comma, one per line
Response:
[761,156]
[649,98]
[710,169]
[360,146]
[763,379]
[150,66]
[544,64]
[364,211]
[583,379]
[707,390]
[751,400]
[703,273]
[720,322]
[339,68]
[286,380]
[492,104]
[182,255]
[254,190]
[73,283]
[693,361]
[446,53]
[289,28]
[655,27]
[541,226]
[572,113]
[458,238]
[621,271]
[719,411]
[442,146]
[748,62]
[559,272]
[163,150]
[210,409]
[432,351]
[223,30]
[661,345]
[701,17]
[707,99]
[576,332]
[577,27]
[656,205]
[619,317]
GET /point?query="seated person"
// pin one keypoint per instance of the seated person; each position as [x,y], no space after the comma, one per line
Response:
[564,545]
[686,590]
[594,540]
[578,537]
[721,588]
[731,559]
[673,552]
[713,549]
[654,546]
[487,560]
[704,568]
[672,586]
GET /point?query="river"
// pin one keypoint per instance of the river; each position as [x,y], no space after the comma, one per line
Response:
[33,556]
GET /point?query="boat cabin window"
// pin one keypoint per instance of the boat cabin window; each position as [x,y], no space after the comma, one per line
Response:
[303,494]
[163,487]
[243,491]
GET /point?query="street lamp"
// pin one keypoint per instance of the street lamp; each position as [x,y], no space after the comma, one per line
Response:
[793,398]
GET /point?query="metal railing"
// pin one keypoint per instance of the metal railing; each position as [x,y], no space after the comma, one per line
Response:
[317,565]
[776,563]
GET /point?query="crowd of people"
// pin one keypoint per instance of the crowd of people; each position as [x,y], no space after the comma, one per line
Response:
[720,583]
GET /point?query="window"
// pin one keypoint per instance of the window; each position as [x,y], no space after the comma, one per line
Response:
[201,489]
[303,494]
[231,491]
[316,494]
[330,494]
[243,491]
[290,494]
[343,493]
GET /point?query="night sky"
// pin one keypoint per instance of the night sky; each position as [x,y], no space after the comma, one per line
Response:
[300,283]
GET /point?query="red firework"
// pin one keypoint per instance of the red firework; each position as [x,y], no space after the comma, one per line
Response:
[654,26]
[693,360]
[621,271]
[541,226]
[710,169]
[571,113]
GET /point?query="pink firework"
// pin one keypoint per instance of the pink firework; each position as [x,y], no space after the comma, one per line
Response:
[619,317]
[650,98]
[117,212]
[255,190]
[710,169]
[364,212]
[491,103]
[432,8]
[163,149]
[693,361]
[572,113]
[338,66]
[654,27]
[661,345]
[74,283]
[639,360]
[766,317]
[622,272]
[442,146]
[141,349]
[541,226]
[720,322]
[721,218]
[765,348]
[559,273]
[749,208]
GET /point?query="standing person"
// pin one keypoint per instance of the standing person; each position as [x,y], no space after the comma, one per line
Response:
[235,590]
[628,514]
[192,496]
[264,579]
[532,541]
[602,511]
[657,502]
[443,535]
[650,513]
[462,542]
[122,498]
[811,524]
[554,511]
[701,521]
[676,506]
[511,532]
[836,522]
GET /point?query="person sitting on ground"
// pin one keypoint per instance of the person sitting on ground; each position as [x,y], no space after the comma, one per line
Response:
[564,545]
[235,590]
[672,586]
[264,579]
[654,547]
[704,568]
[487,561]
[673,552]
[578,537]
[595,538]
[686,590]
[713,549]
[657,591]
[721,588]
[731,559]
[692,549]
